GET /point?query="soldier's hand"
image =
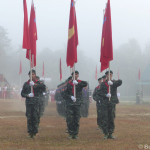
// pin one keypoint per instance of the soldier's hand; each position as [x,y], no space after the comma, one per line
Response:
[75,82]
[31,95]
[31,83]
[108,95]
[110,82]
[73,98]
[44,93]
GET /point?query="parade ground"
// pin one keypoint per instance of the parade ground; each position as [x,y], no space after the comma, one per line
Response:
[132,129]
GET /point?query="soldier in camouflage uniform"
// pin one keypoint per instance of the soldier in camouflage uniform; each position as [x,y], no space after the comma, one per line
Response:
[41,99]
[97,98]
[59,99]
[32,103]
[108,106]
[85,102]
[46,96]
[73,104]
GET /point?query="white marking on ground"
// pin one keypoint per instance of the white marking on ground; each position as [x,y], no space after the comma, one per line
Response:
[5,117]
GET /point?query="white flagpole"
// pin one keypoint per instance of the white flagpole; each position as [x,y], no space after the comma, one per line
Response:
[31,71]
[74,79]
[109,80]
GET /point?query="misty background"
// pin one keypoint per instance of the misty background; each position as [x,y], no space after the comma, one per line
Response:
[131,40]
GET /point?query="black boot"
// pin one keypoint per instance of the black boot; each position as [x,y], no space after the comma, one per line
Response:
[106,136]
[110,136]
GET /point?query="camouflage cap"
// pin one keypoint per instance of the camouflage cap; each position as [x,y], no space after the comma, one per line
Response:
[107,72]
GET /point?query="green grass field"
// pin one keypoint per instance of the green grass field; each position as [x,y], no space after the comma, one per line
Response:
[132,129]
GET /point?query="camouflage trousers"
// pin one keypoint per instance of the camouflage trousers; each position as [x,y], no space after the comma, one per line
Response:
[84,109]
[107,115]
[41,107]
[73,118]
[99,120]
[32,114]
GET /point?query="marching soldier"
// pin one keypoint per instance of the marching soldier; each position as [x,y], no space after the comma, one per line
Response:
[97,98]
[108,104]
[41,99]
[85,102]
[73,104]
[32,103]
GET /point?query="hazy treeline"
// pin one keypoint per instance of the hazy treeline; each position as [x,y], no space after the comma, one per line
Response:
[128,58]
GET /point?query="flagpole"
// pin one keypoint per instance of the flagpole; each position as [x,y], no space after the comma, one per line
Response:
[31,70]
[74,84]
[109,80]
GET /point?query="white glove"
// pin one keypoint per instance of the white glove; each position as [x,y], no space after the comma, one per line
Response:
[59,102]
[108,95]
[52,92]
[118,94]
[31,83]
[31,95]
[73,98]
[44,93]
[110,82]
[75,82]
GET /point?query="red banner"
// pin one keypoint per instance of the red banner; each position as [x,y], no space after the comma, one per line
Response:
[72,37]
[106,41]
[26,40]
[33,36]
[20,68]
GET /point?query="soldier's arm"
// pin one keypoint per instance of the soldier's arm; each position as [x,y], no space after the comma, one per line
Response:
[117,83]
[94,94]
[68,92]
[82,84]
[24,92]
[40,86]
[102,91]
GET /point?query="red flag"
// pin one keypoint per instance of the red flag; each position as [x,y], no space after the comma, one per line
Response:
[106,41]
[72,37]
[33,36]
[60,70]
[20,68]
[26,41]
[43,70]
[96,73]
[139,75]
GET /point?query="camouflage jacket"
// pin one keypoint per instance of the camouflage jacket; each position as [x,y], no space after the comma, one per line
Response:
[104,89]
[69,91]
[96,97]
[116,84]
[37,89]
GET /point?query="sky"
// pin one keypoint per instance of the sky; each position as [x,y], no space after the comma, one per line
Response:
[130,19]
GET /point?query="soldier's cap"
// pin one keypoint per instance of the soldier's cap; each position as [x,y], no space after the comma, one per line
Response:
[76,72]
[33,71]
[69,78]
[99,79]
[107,72]
[104,76]
[60,84]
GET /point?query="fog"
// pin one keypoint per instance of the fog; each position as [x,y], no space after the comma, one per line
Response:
[131,40]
